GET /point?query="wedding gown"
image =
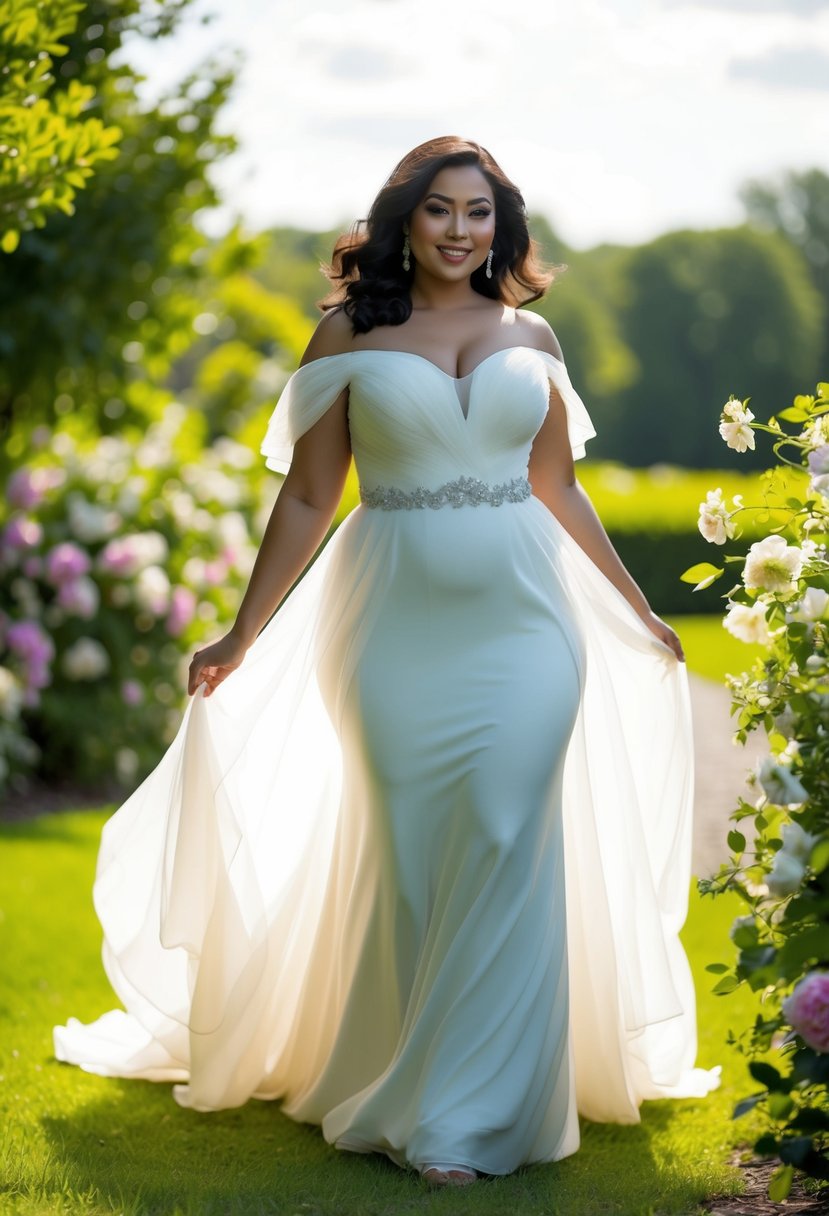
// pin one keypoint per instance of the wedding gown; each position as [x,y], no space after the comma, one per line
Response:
[418,867]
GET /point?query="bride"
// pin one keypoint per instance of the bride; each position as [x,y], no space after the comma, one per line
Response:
[416,863]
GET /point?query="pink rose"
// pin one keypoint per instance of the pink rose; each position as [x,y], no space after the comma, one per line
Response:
[182,610]
[66,562]
[807,1010]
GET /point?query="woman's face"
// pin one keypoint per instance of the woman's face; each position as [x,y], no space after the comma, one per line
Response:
[453,225]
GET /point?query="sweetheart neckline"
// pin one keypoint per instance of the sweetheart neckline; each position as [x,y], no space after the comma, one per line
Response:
[381,350]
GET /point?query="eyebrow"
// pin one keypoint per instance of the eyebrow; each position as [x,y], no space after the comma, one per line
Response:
[444,198]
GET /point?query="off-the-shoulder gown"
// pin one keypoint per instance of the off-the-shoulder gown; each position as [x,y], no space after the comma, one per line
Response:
[418,867]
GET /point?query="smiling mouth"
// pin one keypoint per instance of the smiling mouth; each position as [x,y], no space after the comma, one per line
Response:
[453,254]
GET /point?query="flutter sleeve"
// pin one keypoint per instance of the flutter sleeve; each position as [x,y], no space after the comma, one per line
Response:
[307,394]
[579,425]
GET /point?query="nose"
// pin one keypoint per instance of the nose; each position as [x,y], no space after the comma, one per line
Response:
[456,228]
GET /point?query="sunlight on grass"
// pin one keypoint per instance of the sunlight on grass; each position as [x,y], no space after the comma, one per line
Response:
[82,1144]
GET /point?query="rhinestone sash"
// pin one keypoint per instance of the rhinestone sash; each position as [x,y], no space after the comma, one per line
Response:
[466,491]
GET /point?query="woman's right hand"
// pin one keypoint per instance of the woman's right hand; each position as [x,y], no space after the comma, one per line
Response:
[215,663]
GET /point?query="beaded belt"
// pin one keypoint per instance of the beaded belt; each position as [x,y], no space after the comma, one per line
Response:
[466,491]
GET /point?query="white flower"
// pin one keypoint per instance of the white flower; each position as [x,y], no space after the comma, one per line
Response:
[152,590]
[819,459]
[820,485]
[812,607]
[88,521]
[797,842]
[772,565]
[11,695]
[815,433]
[748,622]
[85,659]
[714,522]
[779,783]
[786,874]
[734,425]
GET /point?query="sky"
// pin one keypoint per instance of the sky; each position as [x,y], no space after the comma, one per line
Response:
[617,119]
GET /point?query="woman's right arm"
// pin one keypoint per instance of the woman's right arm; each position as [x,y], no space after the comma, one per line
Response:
[301,516]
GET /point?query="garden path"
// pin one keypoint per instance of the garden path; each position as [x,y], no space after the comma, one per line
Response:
[720,770]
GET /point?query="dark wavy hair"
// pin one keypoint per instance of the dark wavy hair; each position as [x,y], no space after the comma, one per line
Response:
[367,263]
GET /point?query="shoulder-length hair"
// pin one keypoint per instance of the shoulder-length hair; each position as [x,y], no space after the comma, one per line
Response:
[367,263]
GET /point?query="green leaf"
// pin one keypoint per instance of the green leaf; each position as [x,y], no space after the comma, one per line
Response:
[780,1183]
[766,1074]
[795,1149]
[727,984]
[736,841]
[810,1119]
[746,1104]
[780,1106]
[10,240]
[717,968]
[793,414]
[702,571]
[819,856]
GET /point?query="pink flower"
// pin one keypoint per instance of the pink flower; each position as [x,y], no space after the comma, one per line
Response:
[807,1010]
[66,562]
[80,597]
[215,572]
[28,640]
[182,610]
[32,567]
[132,692]
[124,556]
[26,487]
[22,533]
[35,648]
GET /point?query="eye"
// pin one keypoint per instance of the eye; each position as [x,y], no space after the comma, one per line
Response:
[482,212]
[434,209]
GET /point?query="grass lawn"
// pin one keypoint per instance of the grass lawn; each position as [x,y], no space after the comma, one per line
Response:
[74,1143]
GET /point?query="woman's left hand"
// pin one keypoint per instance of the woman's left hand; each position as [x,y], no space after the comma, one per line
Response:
[662,630]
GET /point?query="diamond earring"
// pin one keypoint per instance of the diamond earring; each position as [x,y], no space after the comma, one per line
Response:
[406,251]
[489,264]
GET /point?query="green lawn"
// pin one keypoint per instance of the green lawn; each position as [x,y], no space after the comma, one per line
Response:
[75,1143]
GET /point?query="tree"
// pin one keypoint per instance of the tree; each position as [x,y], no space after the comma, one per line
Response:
[96,307]
[705,312]
[798,208]
[48,151]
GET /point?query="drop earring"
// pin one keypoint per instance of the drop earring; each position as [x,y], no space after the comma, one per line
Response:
[406,251]
[489,264]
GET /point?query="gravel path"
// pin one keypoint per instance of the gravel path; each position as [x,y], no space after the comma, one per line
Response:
[720,767]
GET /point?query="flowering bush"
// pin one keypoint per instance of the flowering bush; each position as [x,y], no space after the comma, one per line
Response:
[781,868]
[116,557]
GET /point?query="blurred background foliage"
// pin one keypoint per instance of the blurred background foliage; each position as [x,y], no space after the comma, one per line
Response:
[115,304]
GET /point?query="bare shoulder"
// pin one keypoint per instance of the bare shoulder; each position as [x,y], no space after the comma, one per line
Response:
[333,336]
[537,332]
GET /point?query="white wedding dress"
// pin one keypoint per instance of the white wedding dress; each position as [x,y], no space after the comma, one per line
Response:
[417,869]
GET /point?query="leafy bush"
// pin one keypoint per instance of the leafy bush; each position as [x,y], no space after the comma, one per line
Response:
[117,555]
[782,871]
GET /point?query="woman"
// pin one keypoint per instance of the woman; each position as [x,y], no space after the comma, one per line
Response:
[420,865]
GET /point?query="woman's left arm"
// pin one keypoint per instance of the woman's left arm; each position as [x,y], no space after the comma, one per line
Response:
[553,480]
